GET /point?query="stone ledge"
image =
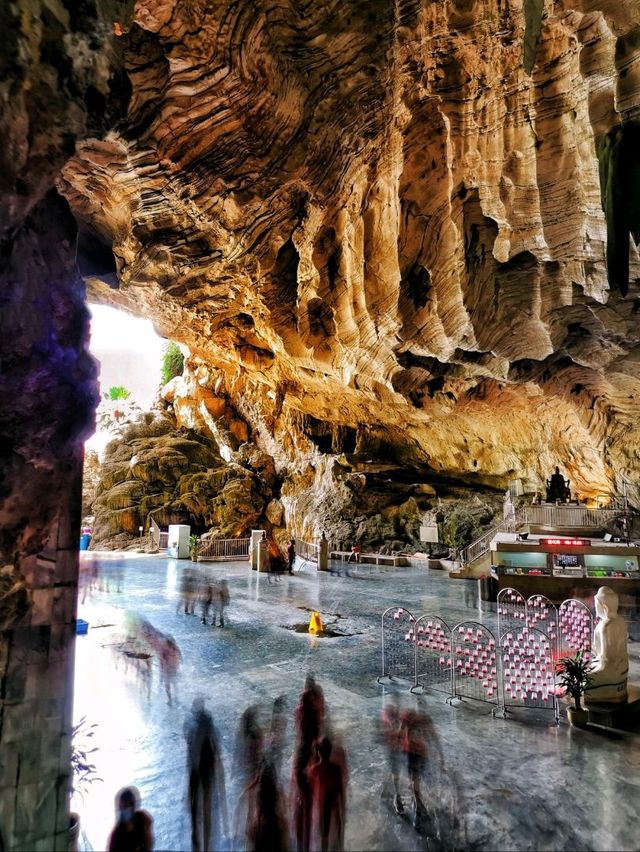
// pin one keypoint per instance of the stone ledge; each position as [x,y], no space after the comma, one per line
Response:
[625,715]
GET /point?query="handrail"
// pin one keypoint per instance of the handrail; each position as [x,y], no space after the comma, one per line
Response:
[158,538]
[306,550]
[480,546]
[559,515]
[215,549]
[607,501]
[566,515]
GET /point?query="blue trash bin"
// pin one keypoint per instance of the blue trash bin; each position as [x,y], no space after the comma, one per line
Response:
[85,538]
[82,627]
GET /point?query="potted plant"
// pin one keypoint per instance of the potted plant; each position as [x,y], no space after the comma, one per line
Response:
[574,677]
[83,773]
[194,541]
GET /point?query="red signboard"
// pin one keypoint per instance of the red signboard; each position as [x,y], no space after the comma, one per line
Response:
[566,542]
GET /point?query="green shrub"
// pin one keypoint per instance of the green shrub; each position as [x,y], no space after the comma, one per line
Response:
[459,529]
[574,677]
[172,362]
[118,392]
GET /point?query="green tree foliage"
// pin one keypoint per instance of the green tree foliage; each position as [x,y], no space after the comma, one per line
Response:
[172,362]
[459,529]
[118,392]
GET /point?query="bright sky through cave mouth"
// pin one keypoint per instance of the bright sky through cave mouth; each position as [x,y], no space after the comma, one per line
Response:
[130,354]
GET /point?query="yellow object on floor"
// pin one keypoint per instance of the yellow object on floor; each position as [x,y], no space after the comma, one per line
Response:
[315,623]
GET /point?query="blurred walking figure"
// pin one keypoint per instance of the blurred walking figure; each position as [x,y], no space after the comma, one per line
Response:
[220,601]
[249,752]
[469,593]
[118,573]
[309,719]
[273,568]
[310,712]
[277,735]
[170,659]
[301,798]
[133,831]
[267,829]
[418,735]
[188,590]
[291,555]
[328,787]
[89,576]
[208,593]
[206,776]
[391,730]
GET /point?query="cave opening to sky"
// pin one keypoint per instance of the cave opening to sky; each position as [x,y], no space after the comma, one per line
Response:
[129,352]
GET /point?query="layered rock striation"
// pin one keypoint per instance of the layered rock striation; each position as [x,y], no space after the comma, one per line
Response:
[322,477]
[409,227]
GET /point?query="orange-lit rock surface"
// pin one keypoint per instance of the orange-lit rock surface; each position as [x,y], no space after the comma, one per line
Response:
[380,228]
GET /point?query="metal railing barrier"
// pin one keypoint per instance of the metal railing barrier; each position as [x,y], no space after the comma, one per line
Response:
[307,551]
[221,549]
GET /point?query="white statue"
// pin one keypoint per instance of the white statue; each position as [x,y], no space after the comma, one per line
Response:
[611,657]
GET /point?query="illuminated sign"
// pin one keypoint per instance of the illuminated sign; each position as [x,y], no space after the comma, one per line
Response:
[566,542]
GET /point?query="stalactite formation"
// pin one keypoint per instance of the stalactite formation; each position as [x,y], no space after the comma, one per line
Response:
[419,217]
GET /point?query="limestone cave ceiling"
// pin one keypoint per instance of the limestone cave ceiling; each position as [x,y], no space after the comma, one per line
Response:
[387,218]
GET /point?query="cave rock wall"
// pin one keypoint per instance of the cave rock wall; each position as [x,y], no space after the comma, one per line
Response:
[418,218]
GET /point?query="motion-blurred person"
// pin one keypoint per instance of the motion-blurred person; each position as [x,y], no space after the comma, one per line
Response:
[249,752]
[267,829]
[391,730]
[89,576]
[418,736]
[291,555]
[118,576]
[170,659]
[208,593]
[188,590]
[309,715]
[133,831]
[273,573]
[301,797]
[220,601]
[309,719]
[206,775]
[84,576]
[249,745]
[277,739]
[469,593]
[328,792]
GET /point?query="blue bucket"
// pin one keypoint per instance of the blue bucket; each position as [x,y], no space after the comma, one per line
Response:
[85,538]
[82,627]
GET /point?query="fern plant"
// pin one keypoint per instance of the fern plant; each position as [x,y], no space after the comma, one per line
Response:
[574,676]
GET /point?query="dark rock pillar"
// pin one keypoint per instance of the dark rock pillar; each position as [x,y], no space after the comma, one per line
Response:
[48,394]
[61,80]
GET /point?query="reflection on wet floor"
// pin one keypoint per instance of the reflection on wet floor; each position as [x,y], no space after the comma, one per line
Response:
[488,784]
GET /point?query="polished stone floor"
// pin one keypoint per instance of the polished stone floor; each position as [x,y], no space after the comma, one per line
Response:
[515,784]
